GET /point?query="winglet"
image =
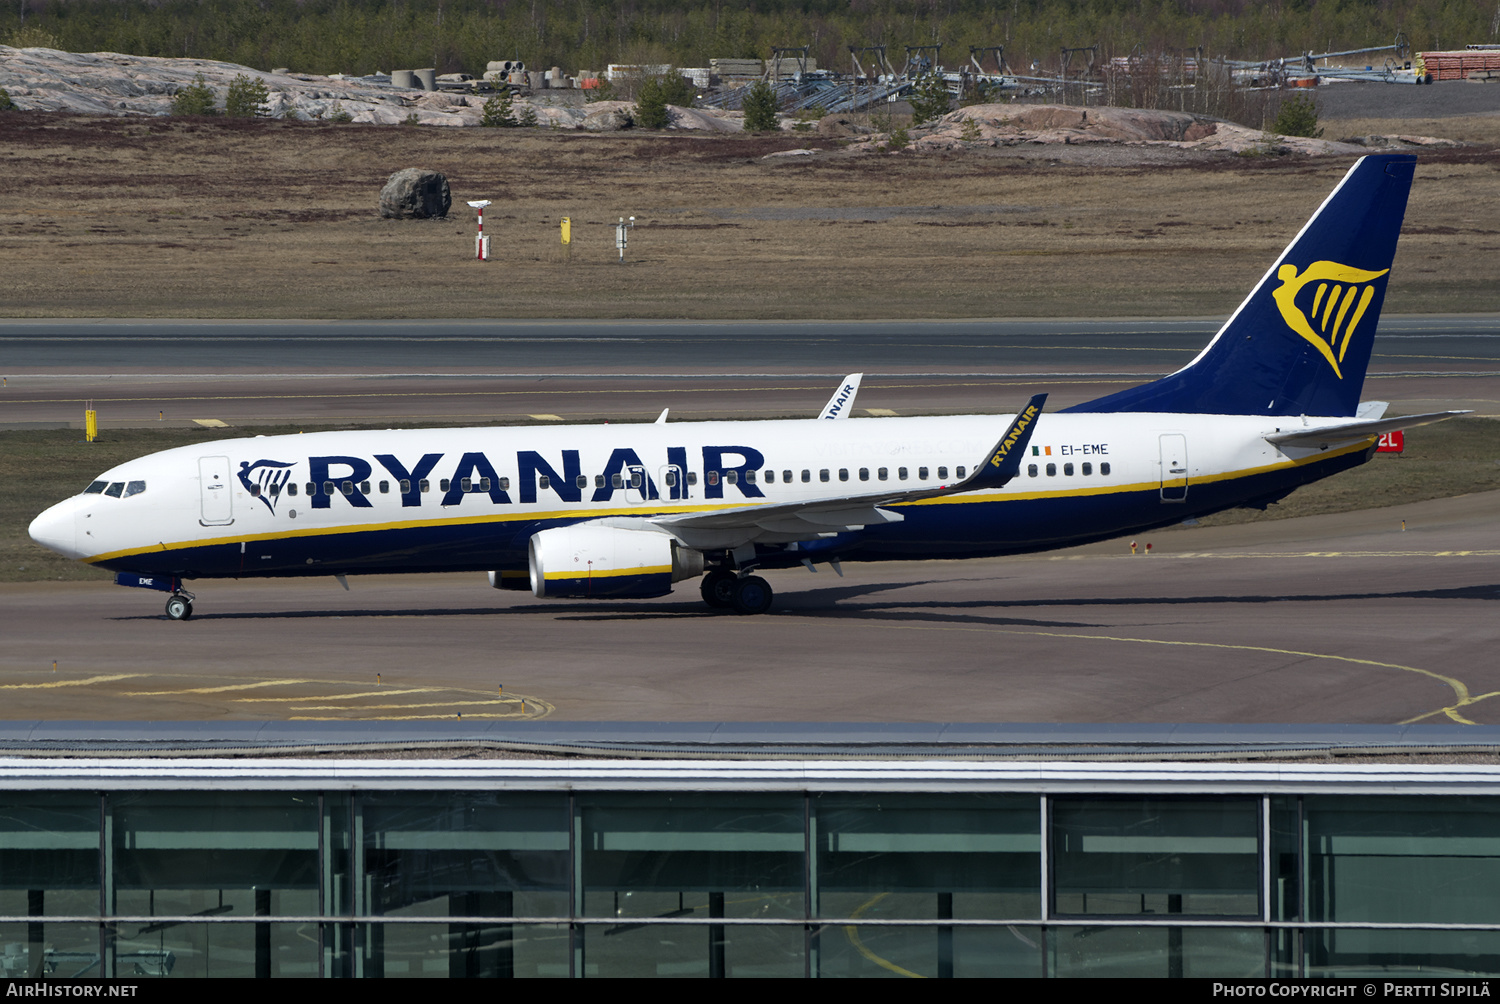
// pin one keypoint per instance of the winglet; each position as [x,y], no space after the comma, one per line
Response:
[1004,461]
[842,401]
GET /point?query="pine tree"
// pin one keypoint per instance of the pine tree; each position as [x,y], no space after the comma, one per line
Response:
[760,107]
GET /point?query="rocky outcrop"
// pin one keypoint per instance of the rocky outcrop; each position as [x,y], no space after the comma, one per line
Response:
[415,194]
[1010,124]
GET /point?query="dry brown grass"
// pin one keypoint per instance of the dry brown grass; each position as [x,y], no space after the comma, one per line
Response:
[1480,129]
[188,218]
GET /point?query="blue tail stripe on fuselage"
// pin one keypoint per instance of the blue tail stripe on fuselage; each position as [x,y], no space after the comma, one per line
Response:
[1300,342]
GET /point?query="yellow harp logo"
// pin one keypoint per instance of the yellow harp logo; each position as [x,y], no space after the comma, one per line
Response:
[1341,294]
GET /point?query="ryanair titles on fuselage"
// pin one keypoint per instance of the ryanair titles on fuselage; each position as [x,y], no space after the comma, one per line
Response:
[476,473]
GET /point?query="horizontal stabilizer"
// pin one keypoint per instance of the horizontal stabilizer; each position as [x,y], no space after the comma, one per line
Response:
[1332,435]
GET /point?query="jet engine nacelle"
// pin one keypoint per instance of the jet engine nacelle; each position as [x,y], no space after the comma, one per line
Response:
[604,561]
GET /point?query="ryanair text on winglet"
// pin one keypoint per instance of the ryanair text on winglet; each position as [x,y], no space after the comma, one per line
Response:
[1017,427]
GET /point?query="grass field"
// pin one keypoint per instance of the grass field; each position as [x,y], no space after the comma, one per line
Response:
[40,468]
[235,218]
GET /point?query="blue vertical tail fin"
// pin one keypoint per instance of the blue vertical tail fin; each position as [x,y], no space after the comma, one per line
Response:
[1300,343]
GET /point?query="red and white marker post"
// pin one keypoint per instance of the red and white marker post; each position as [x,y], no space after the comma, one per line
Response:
[481,242]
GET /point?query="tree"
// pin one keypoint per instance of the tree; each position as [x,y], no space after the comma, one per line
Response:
[6,104]
[196,98]
[246,98]
[760,107]
[498,113]
[1298,116]
[929,99]
[658,92]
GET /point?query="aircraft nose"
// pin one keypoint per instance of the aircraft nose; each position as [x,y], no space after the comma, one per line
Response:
[57,528]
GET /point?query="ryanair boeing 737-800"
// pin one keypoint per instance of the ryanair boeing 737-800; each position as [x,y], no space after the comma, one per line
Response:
[612,511]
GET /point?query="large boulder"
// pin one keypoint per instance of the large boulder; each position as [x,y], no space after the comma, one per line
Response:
[608,116]
[415,194]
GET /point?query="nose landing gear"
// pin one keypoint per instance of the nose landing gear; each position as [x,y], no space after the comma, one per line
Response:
[180,605]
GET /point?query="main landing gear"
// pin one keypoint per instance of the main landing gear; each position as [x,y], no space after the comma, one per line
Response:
[180,605]
[724,589]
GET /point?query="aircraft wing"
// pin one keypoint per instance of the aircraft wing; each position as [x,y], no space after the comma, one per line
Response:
[812,517]
[1330,435]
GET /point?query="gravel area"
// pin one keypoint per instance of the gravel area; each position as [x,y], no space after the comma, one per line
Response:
[1354,100]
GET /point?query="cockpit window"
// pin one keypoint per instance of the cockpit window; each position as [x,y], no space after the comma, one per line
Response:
[134,488]
[114,490]
[96,488]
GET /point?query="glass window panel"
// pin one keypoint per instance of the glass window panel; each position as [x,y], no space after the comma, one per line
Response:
[1156,855]
[467,853]
[1403,859]
[54,951]
[49,854]
[925,856]
[642,855]
[184,852]
[464,951]
[933,952]
[225,951]
[1387,953]
[694,951]
[1156,952]
[1286,840]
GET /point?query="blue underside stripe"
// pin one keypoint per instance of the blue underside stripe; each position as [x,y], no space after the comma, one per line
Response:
[954,530]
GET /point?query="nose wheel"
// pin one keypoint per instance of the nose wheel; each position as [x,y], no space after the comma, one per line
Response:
[180,606]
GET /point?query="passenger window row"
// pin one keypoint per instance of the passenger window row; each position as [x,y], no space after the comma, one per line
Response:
[881,474]
[1086,469]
